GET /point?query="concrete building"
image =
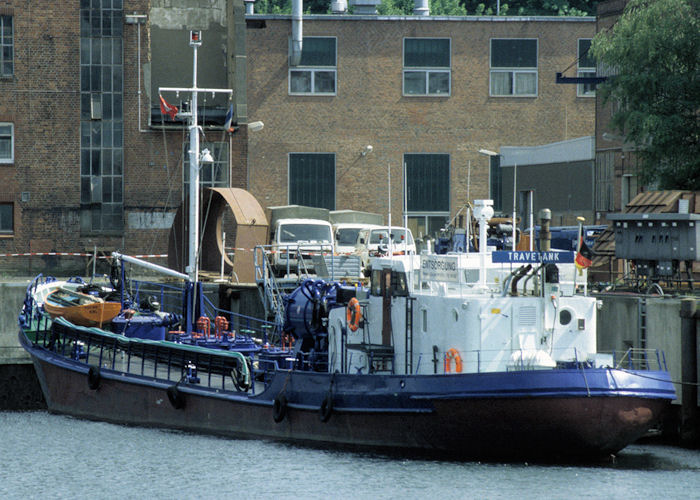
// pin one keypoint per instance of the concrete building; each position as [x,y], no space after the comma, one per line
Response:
[86,160]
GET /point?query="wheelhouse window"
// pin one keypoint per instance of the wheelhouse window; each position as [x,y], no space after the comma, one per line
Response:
[586,67]
[7,224]
[312,179]
[513,67]
[7,143]
[317,72]
[428,192]
[426,66]
[7,46]
[215,174]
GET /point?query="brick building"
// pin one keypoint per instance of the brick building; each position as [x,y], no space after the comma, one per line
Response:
[86,161]
[426,93]
[82,164]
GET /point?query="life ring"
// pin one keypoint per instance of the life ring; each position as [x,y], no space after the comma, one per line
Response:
[354,314]
[326,408]
[279,408]
[449,356]
[177,399]
[94,378]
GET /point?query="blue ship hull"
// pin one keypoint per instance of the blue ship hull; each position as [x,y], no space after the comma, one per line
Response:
[571,413]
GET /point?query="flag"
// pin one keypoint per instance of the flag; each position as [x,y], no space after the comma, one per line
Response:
[584,257]
[167,109]
[228,124]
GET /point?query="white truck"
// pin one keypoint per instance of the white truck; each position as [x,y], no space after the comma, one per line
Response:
[347,225]
[295,231]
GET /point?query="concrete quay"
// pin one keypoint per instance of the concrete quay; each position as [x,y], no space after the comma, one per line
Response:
[19,386]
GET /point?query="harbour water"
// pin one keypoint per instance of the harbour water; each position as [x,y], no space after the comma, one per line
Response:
[52,456]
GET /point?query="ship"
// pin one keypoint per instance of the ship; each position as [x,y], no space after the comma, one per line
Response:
[482,354]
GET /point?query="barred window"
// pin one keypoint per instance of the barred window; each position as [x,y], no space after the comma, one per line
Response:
[7,46]
[312,179]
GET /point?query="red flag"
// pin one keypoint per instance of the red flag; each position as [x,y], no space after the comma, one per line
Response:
[584,257]
[167,109]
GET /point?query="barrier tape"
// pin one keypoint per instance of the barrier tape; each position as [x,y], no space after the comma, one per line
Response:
[153,256]
[75,254]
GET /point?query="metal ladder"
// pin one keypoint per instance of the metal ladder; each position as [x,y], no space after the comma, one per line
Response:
[409,335]
[269,289]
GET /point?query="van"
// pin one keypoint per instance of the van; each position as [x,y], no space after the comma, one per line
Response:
[346,235]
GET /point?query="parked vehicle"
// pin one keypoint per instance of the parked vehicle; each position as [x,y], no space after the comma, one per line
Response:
[347,225]
[297,231]
[384,240]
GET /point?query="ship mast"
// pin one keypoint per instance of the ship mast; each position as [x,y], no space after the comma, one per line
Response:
[195,157]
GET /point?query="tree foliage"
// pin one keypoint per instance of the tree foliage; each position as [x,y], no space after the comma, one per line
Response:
[448,7]
[654,49]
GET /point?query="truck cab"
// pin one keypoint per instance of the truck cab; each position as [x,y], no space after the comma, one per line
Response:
[290,238]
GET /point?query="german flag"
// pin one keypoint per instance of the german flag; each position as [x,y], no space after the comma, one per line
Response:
[584,257]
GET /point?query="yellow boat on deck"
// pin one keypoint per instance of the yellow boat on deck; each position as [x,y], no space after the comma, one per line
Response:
[80,308]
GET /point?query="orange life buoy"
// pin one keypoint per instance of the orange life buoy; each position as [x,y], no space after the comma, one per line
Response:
[354,314]
[449,356]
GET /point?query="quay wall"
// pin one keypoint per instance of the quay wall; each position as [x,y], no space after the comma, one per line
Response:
[19,386]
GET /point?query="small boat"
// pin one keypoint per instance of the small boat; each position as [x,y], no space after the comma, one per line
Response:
[80,308]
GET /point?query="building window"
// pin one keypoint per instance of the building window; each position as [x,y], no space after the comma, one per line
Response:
[7,46]
[101,118]
[514,67]
[7,143]
[316,73]
[427,192]
[312,179]
[214,174]
[7,221]
[586,67]
[426,66]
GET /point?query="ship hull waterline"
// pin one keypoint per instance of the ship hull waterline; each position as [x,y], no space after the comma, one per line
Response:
[508,427]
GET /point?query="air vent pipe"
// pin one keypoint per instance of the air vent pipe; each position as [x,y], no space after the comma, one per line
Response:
[422,8]
[297,32]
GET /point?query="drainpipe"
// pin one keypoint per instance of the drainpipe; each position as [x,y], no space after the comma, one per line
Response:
[297,32]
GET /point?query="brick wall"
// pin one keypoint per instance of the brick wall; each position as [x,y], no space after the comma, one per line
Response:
[369,107]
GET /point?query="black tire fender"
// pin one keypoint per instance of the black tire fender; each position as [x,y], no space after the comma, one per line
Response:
[279,408]
[177,398]
[326,408]
[94,378]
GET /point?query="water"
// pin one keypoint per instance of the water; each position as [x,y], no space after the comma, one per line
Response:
[50,456]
